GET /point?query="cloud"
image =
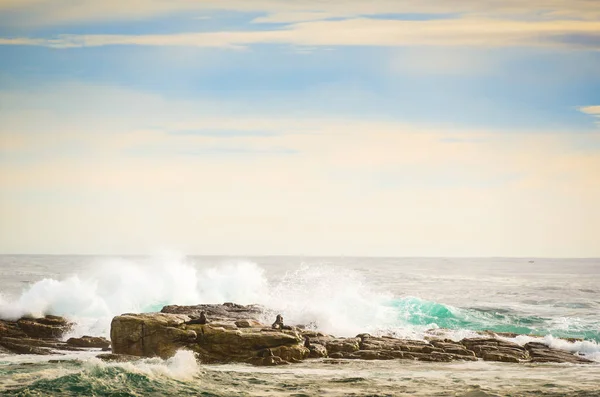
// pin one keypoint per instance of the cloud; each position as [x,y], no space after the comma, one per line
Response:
[358,32]
[53,12]
[593,111]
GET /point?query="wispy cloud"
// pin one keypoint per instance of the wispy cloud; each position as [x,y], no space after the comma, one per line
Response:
[359,32]
[52,12]
[593,111]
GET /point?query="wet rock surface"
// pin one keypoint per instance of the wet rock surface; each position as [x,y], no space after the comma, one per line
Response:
[234,333]
[540,353]
[227,312]
[89,342]
[117,358]
[39,336]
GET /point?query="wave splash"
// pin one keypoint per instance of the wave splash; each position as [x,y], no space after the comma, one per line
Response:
[180,374]
[338,302]
[117,286]
[334,300]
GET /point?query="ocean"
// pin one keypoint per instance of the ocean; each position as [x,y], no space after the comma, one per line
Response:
[404,297]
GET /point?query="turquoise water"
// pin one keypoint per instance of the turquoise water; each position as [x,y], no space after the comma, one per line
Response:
[415,311]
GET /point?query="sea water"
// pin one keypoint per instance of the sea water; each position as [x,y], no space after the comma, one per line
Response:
[405,297]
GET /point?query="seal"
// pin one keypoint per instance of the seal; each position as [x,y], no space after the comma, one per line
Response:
[201,320]
[278,324]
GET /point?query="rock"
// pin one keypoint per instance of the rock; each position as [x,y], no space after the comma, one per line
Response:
[162,334]
[248,323]
[217,344]
[18,348]
[294,353]
[342,345]
[48,344]
[492,349]
[222,324]
[118,358]
[56,321]
[371,355]
[235,334]
[50,327]
[317,351]
[226,312]
[498,356]
[267,361]
[454,348]
[11,329]
[89,342]
[150,334]
[312,334]
[541,353]
[34,335]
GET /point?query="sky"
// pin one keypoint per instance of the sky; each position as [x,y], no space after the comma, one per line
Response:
[308,127]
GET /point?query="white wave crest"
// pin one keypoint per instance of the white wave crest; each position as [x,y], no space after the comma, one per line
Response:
[338,302]
[182,366]
[117,286]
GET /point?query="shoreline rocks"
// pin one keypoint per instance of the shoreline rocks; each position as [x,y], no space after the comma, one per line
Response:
[39,336]
[234,333]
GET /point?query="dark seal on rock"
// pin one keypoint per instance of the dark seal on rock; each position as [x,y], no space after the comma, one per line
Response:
[200,320]
[278,324]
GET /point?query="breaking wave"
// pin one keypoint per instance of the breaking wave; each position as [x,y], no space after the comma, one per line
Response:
[337,301]
[92,377]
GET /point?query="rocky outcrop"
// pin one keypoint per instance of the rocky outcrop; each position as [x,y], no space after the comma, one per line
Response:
[89,342]
[150,335]
[162,334]
[234,333]
[34,335]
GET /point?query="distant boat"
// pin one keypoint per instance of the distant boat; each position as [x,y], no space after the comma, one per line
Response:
[531,261]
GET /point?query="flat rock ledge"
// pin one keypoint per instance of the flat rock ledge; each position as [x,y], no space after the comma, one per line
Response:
[43,336]
[234,333]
